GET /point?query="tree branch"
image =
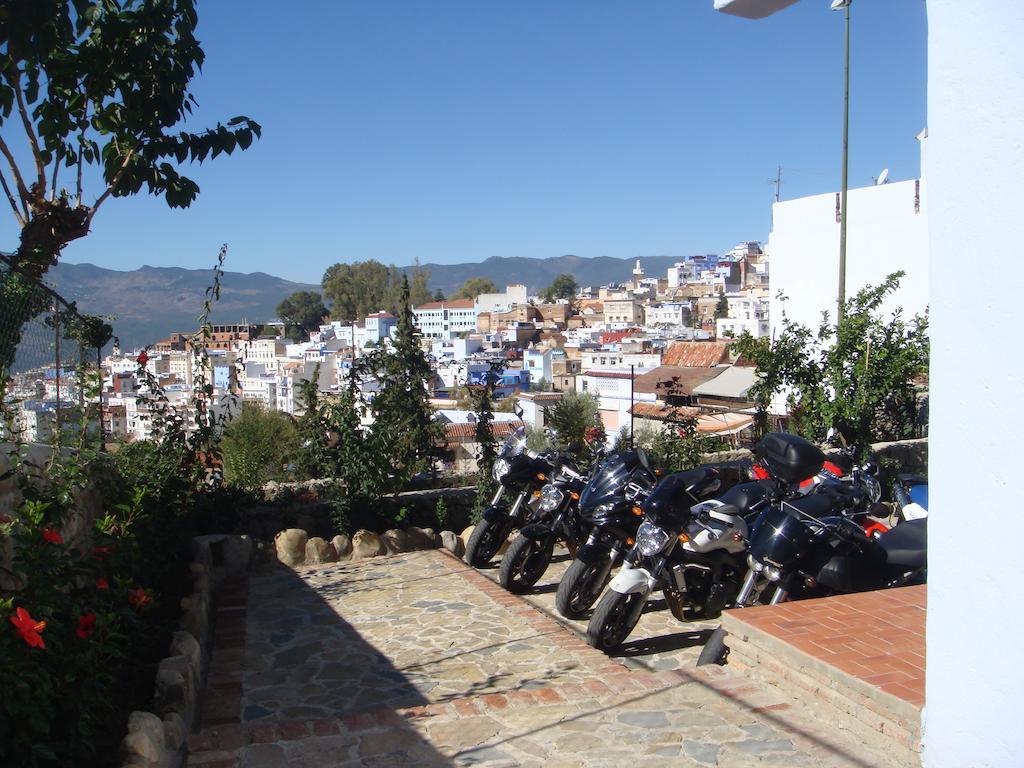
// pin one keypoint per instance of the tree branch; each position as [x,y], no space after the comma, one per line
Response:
[29,131]
[22,189]
[10,198]
[53,181]
[111,186]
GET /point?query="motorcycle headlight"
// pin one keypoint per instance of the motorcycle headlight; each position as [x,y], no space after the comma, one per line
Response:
[550,498]
[500,469]
[651,539]
[873,488]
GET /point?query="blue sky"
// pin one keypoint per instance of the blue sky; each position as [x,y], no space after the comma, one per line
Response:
[455,130]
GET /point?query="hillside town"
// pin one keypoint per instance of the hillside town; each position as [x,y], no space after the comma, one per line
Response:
[652,348]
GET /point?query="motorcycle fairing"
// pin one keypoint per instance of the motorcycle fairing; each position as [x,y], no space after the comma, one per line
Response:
[497,513]
[630,579]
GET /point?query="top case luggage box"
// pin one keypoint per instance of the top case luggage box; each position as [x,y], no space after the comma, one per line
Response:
[790,458]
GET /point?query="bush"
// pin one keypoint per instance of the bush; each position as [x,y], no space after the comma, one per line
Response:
[258,446]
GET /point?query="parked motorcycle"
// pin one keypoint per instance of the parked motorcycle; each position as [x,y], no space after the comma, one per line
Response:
[530,553]
[812,547]
[695,553]
[910,492]
[610,504]
[520,474]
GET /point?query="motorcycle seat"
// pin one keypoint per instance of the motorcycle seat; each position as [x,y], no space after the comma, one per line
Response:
[906,544]
[745,495]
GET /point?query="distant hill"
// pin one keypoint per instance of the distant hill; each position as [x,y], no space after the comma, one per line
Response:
[151,302]
[539,273]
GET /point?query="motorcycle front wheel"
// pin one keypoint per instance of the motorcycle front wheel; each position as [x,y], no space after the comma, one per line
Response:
[614,618]
[484,543]
[524,563]
[580,587]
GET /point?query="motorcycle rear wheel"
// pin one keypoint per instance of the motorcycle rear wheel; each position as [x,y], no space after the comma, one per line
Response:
[580,587]
[614,618]
[484,543]
[524,563]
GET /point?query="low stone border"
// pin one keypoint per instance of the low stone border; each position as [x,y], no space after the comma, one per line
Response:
[159,739]
[294,547]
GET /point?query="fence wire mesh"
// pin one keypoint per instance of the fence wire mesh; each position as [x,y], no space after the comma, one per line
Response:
[49,364]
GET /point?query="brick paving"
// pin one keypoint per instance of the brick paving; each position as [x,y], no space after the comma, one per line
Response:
[877,637]
[417,659]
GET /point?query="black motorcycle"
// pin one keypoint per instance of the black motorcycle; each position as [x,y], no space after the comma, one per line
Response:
[814,546]
[608,505]
[557,517]
[520,474]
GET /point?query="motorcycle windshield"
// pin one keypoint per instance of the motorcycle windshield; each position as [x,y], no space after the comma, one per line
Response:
[609,480]
[514,444]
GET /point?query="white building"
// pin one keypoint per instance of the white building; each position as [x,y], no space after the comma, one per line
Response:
[502,302]
[616,396]
[746,314]
[446,319]
[538,362]
[887,230]
[676,313]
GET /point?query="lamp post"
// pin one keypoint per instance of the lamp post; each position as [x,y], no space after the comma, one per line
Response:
[844,5]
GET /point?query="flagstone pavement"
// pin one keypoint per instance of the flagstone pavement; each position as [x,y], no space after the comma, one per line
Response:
[419,660]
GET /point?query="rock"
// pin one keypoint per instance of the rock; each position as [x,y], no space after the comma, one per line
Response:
[149,724]
[291,546]
[139,748]
[396,540]
[466,533]
[367,544]
[175,731]
[453,543]
[343,546]
[319,551]
[420,538]
[434,536]
[271,491]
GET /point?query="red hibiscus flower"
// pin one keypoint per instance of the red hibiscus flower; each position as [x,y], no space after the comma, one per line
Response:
[139,598]
[52,536]
[102,583]
[86,624]
[28,628]
[142,359]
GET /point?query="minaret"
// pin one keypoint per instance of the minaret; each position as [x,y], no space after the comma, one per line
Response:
[638,274]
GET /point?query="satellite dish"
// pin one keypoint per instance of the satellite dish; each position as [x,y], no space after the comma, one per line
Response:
[883,177]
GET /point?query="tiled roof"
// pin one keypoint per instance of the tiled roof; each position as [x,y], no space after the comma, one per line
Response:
[669,380]
[663,412]
[696,354]
[381,314]
[707,423]
[500,429]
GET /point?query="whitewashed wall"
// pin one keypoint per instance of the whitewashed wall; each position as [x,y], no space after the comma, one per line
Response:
[883,235]
[974,167]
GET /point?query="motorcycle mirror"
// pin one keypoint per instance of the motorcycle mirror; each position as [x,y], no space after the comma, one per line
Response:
[518,409]
[871,468]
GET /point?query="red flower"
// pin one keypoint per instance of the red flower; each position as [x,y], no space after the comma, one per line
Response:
[52,536]
[139,598]
[86,624]
[101,551]
[28,628]
[102,583]
[593,434]
[4,519]
[142,359]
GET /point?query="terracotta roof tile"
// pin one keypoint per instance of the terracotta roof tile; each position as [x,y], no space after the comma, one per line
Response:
[499,429]
[696,354]
[669,380]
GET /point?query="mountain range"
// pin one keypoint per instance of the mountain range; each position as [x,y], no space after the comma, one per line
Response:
[151,302]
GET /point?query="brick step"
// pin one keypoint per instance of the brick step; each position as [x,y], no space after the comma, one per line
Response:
[857,703]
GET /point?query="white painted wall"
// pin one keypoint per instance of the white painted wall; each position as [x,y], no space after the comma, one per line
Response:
[974,168]
[883,235]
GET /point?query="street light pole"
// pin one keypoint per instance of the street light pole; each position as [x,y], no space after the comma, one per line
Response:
[841,300]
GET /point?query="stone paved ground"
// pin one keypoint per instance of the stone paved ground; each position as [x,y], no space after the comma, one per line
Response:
[418,659]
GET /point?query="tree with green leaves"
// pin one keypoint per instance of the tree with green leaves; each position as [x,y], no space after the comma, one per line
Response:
[403,418]
[854,377]
[563,287]
[572,416]
[304,310]
[356,290]
[98,85]
[473,287]
[419,291]
[257,446]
